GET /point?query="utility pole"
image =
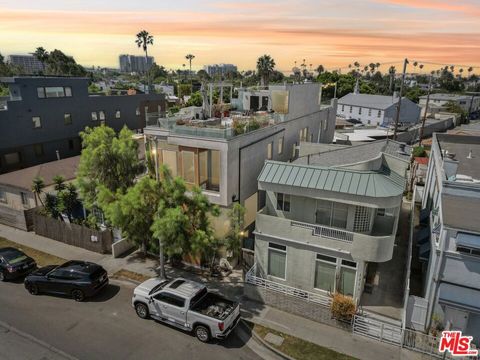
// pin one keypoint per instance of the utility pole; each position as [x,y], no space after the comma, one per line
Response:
[426,109]
[399,103]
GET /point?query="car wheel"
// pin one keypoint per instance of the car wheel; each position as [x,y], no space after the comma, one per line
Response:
[32,289]
[141,310]
[2,276]
[78,295]
[202,333]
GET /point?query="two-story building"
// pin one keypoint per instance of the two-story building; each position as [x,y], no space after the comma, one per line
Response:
[326,218]
[44,115]
[224,155]
[379,110]
[438,103]
[452,194]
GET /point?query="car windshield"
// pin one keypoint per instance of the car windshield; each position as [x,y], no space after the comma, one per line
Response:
[13,257]
[158,287]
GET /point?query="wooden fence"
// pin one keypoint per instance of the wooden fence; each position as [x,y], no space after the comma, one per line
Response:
[73,234]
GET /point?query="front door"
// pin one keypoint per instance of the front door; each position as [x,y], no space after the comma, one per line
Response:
[457,318]
[170,307]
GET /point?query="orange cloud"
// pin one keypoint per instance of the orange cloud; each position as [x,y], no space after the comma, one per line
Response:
[457,6]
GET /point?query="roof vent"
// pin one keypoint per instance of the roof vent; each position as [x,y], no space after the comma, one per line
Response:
[470,155]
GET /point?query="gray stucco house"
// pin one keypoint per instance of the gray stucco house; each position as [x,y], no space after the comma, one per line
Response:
[44,115]
[377,109]
[224,155]
[326,218]
[452,195]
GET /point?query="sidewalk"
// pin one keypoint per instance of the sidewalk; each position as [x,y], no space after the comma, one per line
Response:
[232,286]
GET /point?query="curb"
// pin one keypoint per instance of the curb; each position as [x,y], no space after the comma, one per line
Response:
[37,341]
[259,339]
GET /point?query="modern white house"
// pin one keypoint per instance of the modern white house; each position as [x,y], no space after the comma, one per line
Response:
[378,110]
[452,251]
[326,217]
[438,102]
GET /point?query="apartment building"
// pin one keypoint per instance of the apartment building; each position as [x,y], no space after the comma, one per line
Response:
[377,110]
[29,64]
[224,155]
[44,115]
[438,103]
[135,63]
[452,251]
[326,218]
[220,69]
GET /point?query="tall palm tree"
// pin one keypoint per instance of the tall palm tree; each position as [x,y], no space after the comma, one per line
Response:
[320,69]
[41,54]
[37,188]
[190,57]
[59,183]
[452,68]
[470,69]
[265,67]
[421,66]
[461,72]
[415,64]
[144,39]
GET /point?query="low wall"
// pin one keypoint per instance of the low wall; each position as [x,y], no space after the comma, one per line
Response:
[121,247]
[306,309]
[13,217]
[73,234]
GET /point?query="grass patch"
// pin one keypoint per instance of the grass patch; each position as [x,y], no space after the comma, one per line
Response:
[300,349]
[130,275]
[40,257]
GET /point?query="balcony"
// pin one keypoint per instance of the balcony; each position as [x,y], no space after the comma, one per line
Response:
[377,247]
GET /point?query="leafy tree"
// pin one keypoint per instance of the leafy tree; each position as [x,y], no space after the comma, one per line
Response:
[107,160]
[195,100]
[37,188]
[93,88]
[67,200]
[133,211]
[182,222]
[50,206]
[265,67]
[59,183]
[453,107]
[414,94]
[233,240]
[320,69]
[57,63]
[184,89]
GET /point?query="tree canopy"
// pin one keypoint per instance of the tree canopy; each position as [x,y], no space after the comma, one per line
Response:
[57,63]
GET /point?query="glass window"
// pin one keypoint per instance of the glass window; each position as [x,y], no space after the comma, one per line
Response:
[101,115]
[347,281]
[38,150]
[41,92]
[294,150]
[117,114]
[94,116]
[12,158]
[68,91]
[3,196]
[361,221]
[54,92]
[214,171]
[343,107]
[277,260]
[170,159]
[188,166]
[351,109]
[137,111]
[269,150]
[24,198]
[369,112]
[325,275]
[280,145]
[379,114]
[37,123]
[67,119]
[359,111]
[283,202]
[324,212]
[332,214]
[171,299]
[340,215]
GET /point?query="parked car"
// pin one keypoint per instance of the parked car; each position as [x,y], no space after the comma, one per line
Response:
[187,305]
[14,263]
[79,279]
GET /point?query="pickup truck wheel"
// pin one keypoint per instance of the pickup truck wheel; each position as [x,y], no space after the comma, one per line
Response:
[32,289]
[141,310]
[78,295]
[202,333]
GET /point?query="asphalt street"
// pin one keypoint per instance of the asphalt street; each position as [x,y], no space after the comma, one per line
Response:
[104,327]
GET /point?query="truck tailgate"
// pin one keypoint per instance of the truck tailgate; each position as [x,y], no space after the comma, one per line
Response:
[232,318]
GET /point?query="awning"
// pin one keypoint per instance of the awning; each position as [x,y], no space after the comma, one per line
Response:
[468,240]
[459,296]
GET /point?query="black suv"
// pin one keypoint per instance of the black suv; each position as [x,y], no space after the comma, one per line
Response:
[79,279]
[14,263]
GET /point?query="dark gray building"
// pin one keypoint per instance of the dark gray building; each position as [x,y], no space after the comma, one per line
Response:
[135,63]
[44,116]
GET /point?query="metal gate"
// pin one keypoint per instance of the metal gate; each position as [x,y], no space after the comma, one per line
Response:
[377,330]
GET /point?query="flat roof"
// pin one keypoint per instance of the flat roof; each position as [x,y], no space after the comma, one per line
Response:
[466,150]
[445,96]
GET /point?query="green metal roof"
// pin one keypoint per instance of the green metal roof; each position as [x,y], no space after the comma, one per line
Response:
[383,183]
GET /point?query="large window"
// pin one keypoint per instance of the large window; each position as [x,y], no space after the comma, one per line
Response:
[55,92]
[101,115]
[280,145]
[332,214]
[117,114]
[283,202]
[188,166]
[277,260]
[37,122]
[362,219]
[348,273]
[209,169]
[269,150]
[94,116]
[325,268]
[170,159]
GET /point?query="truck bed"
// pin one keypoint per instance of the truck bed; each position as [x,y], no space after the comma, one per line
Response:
[214,306]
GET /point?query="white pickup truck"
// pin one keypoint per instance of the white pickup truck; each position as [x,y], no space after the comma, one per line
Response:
[187,305]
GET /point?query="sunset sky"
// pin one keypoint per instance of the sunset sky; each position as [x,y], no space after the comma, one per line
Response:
[324,32]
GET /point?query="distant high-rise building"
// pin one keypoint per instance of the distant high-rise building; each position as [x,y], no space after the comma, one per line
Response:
[29,63]
[135,63]
[219,69]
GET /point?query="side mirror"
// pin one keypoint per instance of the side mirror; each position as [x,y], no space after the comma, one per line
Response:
[150,300]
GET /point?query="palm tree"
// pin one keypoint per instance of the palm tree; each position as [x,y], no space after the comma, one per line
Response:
[190,57]
[59,183]
[143,40]
[265,67]
[461,72]
[470,69]
[452,68]
[372,67]
[421,66]
[415,64]
[37,188]
[320,69]
[41,54]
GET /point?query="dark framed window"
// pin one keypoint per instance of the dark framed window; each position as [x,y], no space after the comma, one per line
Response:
[117,114]
[283,202]
[37,122]
[67,118]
